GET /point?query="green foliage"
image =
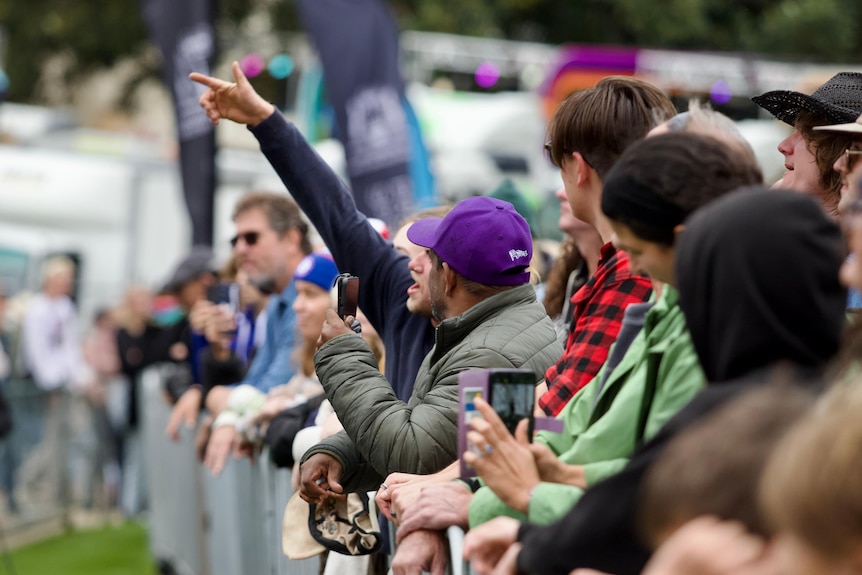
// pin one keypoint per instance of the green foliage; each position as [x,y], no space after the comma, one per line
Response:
[97,33]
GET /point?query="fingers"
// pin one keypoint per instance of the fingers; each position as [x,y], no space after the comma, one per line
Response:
[521,432]
[239,76]
[383,499]
[333,478]
[191,418]
[496,429]
[507,565]
[173,428]
[208,81]
[216,457]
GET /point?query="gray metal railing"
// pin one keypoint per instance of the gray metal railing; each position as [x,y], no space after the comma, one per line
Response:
[204,525]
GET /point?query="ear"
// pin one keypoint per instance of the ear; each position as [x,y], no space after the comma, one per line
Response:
[293,236]
[678,229]
[584,168]
[450,279]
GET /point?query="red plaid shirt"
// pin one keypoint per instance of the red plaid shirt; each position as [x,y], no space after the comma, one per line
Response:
[598,315]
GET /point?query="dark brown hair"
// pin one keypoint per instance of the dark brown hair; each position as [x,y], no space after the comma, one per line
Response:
[826,147]
[602,121]
[568,260]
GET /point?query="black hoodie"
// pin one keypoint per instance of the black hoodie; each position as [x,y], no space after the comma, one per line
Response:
[758,279]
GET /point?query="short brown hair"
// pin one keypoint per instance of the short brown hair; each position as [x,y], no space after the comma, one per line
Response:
[826,147]
[282,213]
[714,467]
[811,485]
[602,121]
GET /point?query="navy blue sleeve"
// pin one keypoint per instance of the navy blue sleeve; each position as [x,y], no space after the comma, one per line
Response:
[356,247]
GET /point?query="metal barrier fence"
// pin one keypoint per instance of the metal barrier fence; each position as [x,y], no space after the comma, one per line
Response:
[55,463]
[226,525]
[203,525]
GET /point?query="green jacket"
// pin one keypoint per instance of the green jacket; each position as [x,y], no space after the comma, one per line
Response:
[384,435]
[601,432]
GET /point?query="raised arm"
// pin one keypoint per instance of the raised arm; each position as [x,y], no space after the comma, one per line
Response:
[324,198]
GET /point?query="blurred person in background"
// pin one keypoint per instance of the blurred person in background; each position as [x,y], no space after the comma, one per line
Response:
[102,421]
[52,355]
[8,459]
[810,491]
[271,239]
[138,347]
[249,410]
[50,331]
[234,337]
[185,345]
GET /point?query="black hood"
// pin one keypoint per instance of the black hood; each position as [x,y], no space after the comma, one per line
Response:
[758,282]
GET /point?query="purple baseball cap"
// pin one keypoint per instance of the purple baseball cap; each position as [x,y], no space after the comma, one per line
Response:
[483,239]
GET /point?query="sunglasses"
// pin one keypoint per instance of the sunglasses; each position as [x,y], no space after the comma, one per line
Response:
[850,157]
[250,238]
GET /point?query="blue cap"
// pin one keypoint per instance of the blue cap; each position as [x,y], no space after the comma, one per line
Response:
[317,269]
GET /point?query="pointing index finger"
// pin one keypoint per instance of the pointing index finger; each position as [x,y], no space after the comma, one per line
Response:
[208,81]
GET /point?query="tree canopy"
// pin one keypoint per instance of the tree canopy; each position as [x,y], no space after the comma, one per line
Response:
[96,34]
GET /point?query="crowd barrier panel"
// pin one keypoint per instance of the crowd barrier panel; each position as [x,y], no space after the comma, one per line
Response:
[205,525]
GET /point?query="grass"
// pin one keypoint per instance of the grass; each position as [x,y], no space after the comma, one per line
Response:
[118,550]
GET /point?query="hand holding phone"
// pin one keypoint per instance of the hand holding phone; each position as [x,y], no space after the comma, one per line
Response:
[510,392]
[226,298]
[348,299]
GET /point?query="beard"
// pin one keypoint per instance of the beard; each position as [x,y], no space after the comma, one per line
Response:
[265,284]
[438,308]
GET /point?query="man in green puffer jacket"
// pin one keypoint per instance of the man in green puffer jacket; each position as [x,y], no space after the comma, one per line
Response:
[489,318]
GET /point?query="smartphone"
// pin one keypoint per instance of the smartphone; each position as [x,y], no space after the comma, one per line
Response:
[225,294]
[510,392]
[513,394]
[348,295]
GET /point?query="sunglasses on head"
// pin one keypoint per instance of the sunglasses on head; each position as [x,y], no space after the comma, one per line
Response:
[250,238]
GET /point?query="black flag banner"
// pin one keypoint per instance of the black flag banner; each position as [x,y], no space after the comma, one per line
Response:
[358,45]
[183,31]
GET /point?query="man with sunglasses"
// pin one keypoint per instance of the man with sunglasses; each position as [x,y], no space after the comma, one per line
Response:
[271,239]
[849,167]
[849,164]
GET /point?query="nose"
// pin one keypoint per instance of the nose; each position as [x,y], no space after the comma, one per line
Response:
[415,264]
[786,145]
[561,194]
[840,165]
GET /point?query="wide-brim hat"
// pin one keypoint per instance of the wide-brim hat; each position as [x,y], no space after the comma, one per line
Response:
[851,128]
[839,100]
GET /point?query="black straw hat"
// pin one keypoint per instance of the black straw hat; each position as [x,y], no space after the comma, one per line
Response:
[839,100]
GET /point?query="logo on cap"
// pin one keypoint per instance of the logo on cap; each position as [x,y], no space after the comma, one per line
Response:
[518,254]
